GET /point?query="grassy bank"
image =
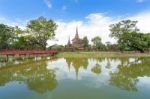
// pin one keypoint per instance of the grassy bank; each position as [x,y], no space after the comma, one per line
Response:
[101,54]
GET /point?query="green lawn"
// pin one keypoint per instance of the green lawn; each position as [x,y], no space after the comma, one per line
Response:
[101,54]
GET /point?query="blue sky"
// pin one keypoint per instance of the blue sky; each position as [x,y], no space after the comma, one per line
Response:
[92,17]
[70,9]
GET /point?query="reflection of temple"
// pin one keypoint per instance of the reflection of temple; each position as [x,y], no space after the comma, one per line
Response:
[76,43]
[83,63]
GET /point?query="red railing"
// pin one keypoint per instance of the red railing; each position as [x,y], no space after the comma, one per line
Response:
[24,52]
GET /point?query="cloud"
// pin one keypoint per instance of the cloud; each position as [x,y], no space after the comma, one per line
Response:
[16,22]
[48,3]
[143,21]
[97,24]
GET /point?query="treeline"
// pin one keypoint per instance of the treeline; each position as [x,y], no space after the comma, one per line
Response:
[38,31]
[96,45]
[128,36]
[34,36]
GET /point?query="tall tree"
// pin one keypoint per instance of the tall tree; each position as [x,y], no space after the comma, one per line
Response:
[133,41]
[147,39]
[6,36]
[97,44]
[85,42]
[42,30]
[128,35]
[118,29]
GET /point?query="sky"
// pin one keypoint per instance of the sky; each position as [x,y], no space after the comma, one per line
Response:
[92,17]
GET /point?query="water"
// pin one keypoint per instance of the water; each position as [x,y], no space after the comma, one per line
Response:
[76,78]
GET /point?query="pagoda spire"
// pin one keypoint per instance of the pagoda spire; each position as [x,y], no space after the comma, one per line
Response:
[69,43]
[77,35]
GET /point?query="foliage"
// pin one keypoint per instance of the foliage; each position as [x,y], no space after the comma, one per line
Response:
[118,29]
[128,36]
[6,36]
[111,47]
[147,39]
[97,44]
[42,30]
[56,47]
[85,42]
[132,41]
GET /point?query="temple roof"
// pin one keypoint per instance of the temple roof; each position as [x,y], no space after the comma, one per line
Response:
[76,36]
[69,41]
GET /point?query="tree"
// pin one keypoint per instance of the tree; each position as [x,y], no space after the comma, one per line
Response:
[133,41]
[147,39]
[42,30]
[128,35]
[118,29]
[111,47]
[97,44]
[85,42]
[6,36]
[19,41]
[56,47]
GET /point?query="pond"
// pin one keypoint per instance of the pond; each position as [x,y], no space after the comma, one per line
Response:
[76,78]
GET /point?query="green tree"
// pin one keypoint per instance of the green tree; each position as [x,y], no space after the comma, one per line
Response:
[133,41]
[42,30]
[128,35]
[56,47]
[6,36]
[118,29]
[85,42]
[97,44]
[147,39]
[19,41]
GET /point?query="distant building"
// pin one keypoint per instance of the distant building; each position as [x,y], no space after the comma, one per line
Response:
[76,44]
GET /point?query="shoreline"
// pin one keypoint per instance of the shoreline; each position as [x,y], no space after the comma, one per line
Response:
[101,54]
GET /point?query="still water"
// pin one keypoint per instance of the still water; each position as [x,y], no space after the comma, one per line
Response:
[76,78]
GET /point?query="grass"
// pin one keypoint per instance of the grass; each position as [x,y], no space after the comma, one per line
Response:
[90,55]
[100,54]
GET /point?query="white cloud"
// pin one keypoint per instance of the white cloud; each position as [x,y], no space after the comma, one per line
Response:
[97,24]
[143,21]
[16,22]
[48,3]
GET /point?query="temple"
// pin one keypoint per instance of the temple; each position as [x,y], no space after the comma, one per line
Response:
[76,44]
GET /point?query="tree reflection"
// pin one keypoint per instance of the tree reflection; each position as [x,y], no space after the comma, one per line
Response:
[34,74]
[96,69]
[128,72]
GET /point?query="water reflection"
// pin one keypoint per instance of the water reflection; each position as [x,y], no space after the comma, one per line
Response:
[44,76]
[96,69]
[34,74]
[128,72]
[125,76]
[77,63]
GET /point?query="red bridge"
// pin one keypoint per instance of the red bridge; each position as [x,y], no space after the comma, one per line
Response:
[27,52]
